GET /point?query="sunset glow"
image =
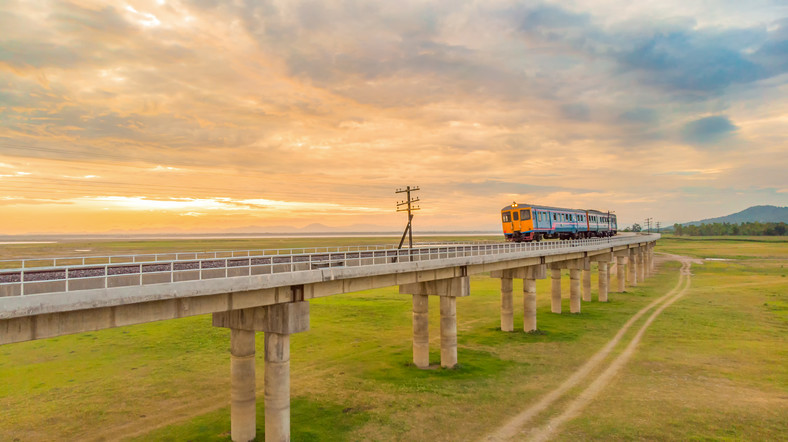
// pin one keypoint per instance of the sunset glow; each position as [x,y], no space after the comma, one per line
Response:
[203,116]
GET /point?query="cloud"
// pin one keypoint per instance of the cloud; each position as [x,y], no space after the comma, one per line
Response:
[341,101]
[546,16]
[708,130]
[682,62]
[638,115]
[576,111]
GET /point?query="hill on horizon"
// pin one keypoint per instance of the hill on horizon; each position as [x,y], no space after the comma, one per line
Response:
[763,214]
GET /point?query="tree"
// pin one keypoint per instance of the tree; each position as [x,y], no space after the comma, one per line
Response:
[636,227]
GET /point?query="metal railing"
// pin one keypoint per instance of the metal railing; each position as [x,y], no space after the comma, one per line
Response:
[68,274]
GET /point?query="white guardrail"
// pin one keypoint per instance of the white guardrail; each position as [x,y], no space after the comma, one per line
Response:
[31,276]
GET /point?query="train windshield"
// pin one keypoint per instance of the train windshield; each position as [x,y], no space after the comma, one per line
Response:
[525,215]
[507,217]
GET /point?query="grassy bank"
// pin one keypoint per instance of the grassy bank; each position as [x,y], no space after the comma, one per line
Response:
[713,366]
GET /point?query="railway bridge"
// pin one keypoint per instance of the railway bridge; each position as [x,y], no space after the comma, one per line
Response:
[269,291]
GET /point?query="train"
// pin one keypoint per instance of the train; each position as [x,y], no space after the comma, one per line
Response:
[531,222]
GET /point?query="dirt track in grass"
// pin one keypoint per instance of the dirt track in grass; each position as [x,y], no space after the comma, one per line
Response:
[518,427]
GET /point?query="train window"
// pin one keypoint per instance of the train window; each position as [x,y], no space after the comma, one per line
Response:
[514,216]
[555,218]
[525,215]
[506,217]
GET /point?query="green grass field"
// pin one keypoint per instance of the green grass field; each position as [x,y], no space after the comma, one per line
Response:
[712,366]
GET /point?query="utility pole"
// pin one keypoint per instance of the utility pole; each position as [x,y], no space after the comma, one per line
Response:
[407,206]
[657,226]
[648,224]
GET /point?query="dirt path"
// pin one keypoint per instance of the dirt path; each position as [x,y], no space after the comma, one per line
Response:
[516,427]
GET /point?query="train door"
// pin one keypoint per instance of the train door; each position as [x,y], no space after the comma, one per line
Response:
[506,218]
[526,220]
[516,220]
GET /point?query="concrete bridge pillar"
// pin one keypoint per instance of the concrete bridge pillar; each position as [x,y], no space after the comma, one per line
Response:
[621,273]
[278,322]
[587,280]
[448,331]
[642,263]
[649,260]
[651,269]
[448,290]
[421,331]
[277,386]
[604,275]
[653,266]
[529,275]
[243,405]
[555,293]
[633,268]
[574,290]
[529,304]
[529,295]
[612,263]
[604,263]
[507,305]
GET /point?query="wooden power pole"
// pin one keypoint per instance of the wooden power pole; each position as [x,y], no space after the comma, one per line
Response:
[407,206]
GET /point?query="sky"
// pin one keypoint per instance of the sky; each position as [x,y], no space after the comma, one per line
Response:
[212,116]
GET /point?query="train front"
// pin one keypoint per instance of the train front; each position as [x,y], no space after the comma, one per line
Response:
[517,223]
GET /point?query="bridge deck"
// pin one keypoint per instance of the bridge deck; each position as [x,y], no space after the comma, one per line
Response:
[30,291]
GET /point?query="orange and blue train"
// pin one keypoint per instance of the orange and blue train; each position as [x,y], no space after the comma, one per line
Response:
[530,222]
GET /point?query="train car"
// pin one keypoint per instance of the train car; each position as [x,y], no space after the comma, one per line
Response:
[531,222]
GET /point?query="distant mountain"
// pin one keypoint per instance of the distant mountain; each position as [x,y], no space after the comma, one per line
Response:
[763,214]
